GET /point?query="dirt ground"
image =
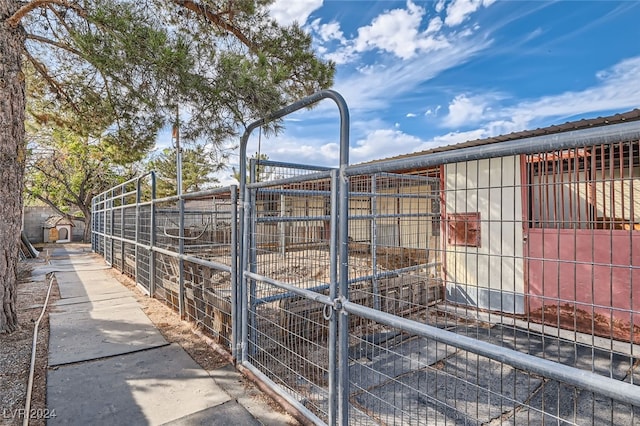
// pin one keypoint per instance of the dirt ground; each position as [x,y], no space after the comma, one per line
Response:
[15,348]
[15,353]
[571,318]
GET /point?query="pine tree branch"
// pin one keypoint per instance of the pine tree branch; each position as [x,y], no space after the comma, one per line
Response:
[54,43]
[42,70]
[217,20]
[15,19]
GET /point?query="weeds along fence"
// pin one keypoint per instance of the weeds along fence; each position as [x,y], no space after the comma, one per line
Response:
[489,285]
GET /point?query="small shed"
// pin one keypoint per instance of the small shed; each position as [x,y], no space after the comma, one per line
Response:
[57,229]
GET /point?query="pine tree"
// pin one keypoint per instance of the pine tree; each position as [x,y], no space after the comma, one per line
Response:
[124,65]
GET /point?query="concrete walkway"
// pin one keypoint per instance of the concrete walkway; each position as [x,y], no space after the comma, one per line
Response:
[108,364]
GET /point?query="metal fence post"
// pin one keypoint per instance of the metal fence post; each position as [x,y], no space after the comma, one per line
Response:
[251,229]
[123,190]
[104,225]
[137,237]
[333,294]
[93,226]
[343,294]
[236,296]
[374,242]
[112,216]
[181,309]
[152,238]
[245,215]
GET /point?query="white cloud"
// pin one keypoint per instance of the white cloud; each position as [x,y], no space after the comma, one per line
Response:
[411,115]
[341,56]
[465,110]
[433,111]
[400,32]
[377,85]
[459,11]
[452,138]
[618,90]
[405,33]
[383,143]
[533,34]
[327,32]
[397,31]
[435,25]
[285,12]
[394,31]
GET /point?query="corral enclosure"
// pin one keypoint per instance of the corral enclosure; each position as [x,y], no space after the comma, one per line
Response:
[407,291]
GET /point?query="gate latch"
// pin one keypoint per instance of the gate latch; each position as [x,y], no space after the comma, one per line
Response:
[328,310]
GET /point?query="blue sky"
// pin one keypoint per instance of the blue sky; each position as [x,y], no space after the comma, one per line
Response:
[419,74]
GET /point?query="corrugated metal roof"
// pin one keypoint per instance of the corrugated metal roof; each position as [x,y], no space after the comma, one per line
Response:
[632,115]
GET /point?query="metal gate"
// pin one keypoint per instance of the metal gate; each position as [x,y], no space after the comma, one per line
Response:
[363,295]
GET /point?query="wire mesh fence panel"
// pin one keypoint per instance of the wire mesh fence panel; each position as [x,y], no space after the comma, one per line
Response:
[289,243]
[520,268]
[208,301]
[394,228]
[473,283]
[118,254]
[144,224]
[208,227]
[167,273]
[129,218]
[98,209]
[129,260]
[142,254]
[167,224]
[584,265]
[289,344]
[108,231]
[269,171]
[397,377]
[291,235]
[167,265]
[209,223]
[118,222]
[143,268]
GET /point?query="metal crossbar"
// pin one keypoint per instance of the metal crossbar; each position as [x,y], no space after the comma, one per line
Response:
[486,285]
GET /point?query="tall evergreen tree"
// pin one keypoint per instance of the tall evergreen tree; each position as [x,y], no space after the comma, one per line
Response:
[124,65]
[198,167]
[263,173]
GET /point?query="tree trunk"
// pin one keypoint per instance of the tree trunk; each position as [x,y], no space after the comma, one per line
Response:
[86,236]
[12,160]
